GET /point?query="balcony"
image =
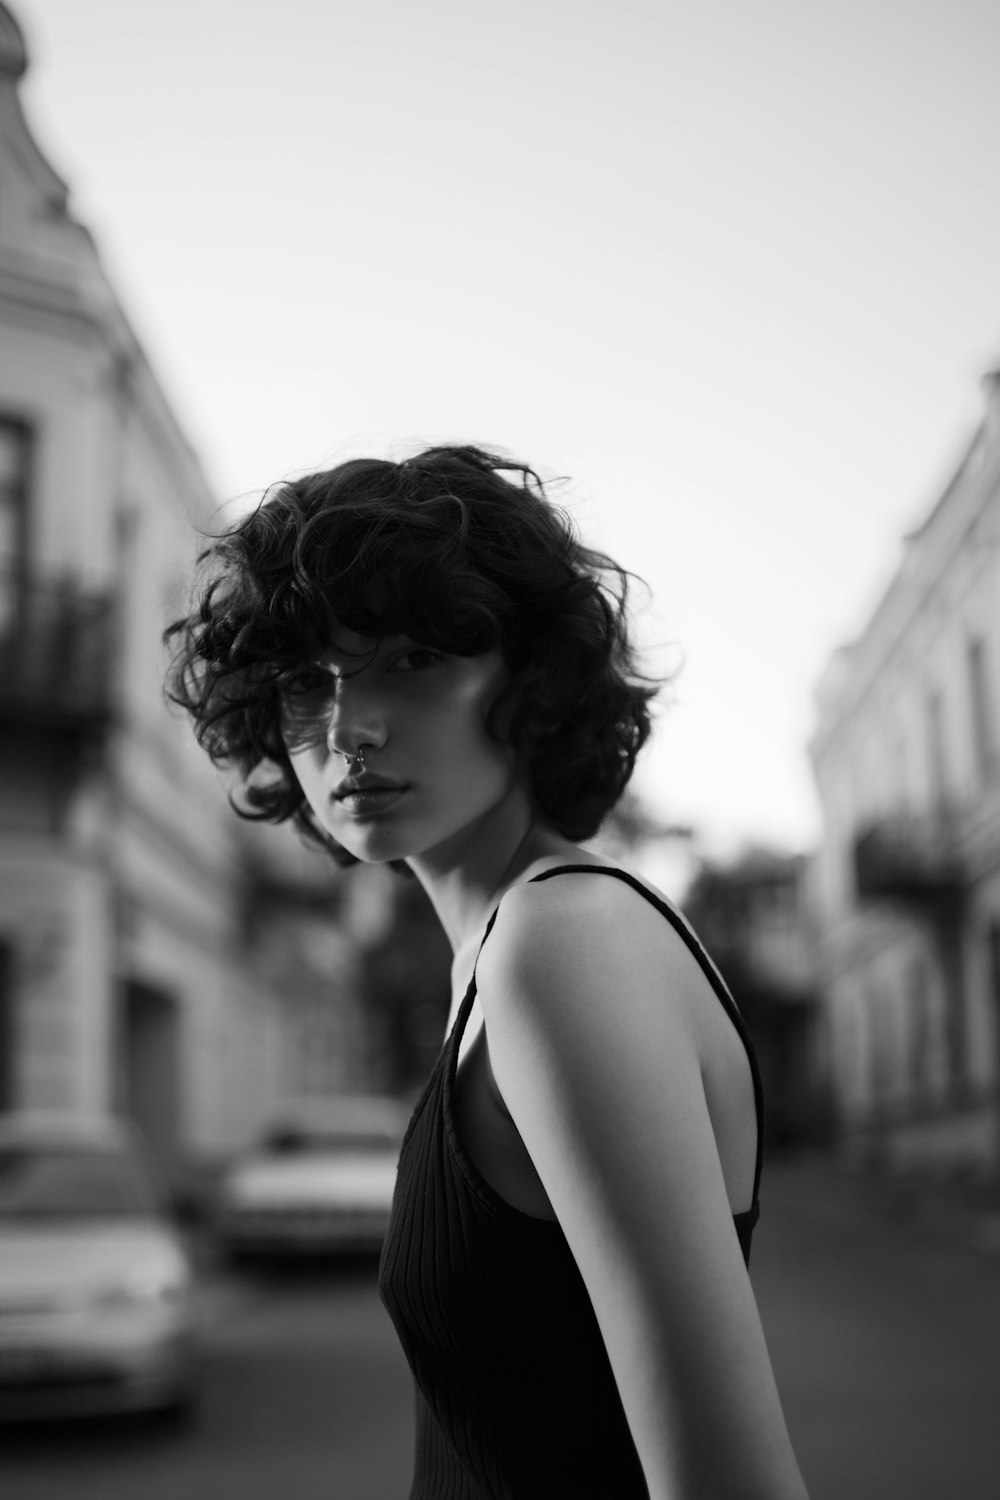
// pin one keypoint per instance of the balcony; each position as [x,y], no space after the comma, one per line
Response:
[909,858]
[56,654]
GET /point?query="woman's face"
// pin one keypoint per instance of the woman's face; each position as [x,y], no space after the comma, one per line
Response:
[431,771]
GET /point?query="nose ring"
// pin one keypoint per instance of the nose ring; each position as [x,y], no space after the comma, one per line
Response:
[355,759]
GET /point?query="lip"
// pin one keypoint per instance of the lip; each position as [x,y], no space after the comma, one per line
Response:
[353,786]
[368,796]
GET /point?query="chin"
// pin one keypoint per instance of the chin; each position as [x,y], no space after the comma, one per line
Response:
[375,847]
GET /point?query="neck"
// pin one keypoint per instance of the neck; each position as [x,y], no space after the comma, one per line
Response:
[466,877]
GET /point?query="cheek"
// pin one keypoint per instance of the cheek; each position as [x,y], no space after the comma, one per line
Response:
[308,768]
[482,691]
[499,721]
[465,719]
[496,712]
[490,750]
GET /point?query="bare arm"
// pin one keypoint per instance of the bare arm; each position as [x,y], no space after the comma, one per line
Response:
[588,1007]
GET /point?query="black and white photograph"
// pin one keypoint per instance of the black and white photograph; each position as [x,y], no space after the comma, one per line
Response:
[499,750]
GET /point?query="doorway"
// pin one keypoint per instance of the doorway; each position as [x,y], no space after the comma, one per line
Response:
[151,1071]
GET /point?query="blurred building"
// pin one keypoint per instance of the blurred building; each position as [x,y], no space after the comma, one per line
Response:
[755,918]
[147,964]
[906,755]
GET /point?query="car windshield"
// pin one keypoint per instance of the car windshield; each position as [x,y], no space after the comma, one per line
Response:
[296,1140]
[64,1182]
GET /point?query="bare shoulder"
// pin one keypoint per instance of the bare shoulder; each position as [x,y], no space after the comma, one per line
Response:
[591,1001]
[538,913]
[589,992]
[579,941]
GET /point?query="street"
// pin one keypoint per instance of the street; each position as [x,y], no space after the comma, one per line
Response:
[884,1337]
[884,1329]
[306,1395]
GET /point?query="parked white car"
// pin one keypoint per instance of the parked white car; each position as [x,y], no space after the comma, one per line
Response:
[96,1310]
[320,1180]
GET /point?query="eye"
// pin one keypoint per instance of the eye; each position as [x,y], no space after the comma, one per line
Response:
[306,682]
[416,659]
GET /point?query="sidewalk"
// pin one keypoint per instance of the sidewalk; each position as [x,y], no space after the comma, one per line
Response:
[958,1210]
[880,1299]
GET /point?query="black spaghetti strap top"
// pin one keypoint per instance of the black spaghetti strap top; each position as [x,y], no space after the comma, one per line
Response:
[516,1399]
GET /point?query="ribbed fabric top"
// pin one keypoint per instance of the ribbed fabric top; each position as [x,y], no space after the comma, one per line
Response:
[516,1399]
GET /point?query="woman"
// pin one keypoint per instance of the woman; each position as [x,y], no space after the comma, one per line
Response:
[419,663]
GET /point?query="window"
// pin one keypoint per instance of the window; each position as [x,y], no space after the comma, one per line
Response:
[7,1034]
[920,1031]
[983,726]
[899,776]
[935,750]
[13,510]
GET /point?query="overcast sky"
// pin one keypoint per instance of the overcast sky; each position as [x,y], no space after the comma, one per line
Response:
[731,265]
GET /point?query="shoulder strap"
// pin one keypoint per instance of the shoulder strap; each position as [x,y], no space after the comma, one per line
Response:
[707,967]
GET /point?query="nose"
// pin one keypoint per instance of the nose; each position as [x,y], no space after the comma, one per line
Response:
[355,720]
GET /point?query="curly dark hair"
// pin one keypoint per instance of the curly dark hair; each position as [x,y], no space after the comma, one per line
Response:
[460,550]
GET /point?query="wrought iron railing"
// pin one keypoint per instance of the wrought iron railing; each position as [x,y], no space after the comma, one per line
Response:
[56,653]
[909,857]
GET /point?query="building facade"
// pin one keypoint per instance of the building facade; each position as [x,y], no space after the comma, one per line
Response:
[137,973]
[906,755]
[755,916]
